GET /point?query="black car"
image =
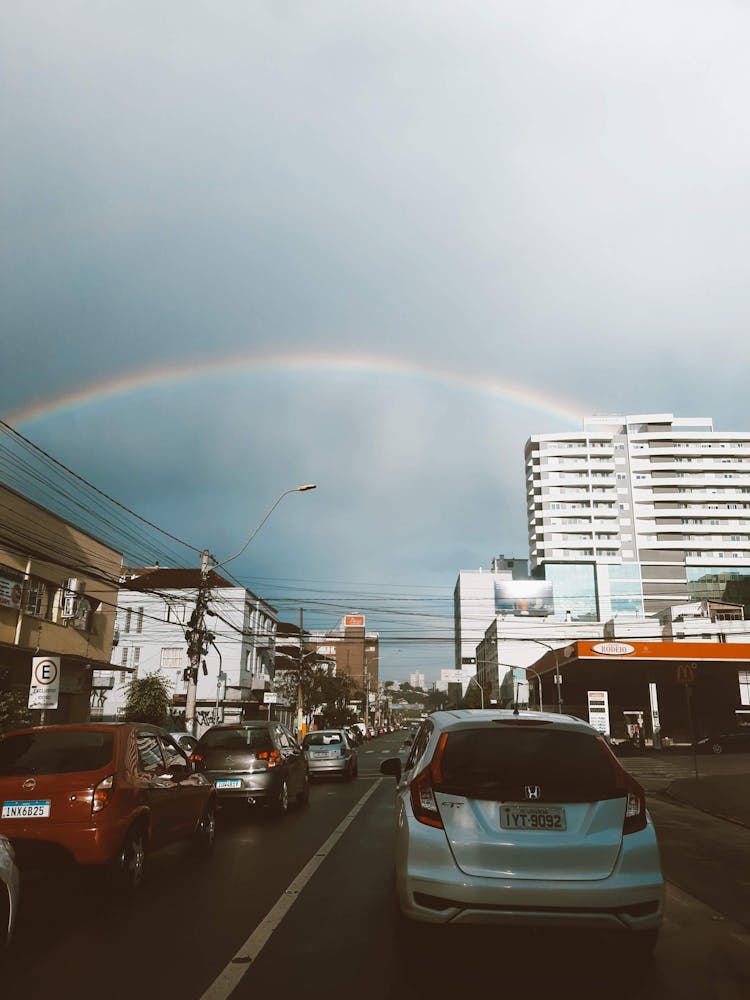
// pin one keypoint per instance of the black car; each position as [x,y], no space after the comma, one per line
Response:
[254,763]
[732,742]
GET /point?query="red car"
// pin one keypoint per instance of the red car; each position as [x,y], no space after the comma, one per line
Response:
[101,794]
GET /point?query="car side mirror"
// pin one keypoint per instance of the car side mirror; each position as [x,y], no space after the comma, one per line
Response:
[392,766]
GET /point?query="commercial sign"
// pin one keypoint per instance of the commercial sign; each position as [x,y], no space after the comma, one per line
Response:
[532,598]
[613,649]
[599,710]
[45,682]
[11,591]
[354,621]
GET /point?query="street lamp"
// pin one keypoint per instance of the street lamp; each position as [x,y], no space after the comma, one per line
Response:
[558,678]
[198,636]
[481,689]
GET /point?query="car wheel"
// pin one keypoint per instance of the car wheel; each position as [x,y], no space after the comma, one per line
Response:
[304,796]
[4,915]
[204,837]
[717,748]
[130,865]
[281,805]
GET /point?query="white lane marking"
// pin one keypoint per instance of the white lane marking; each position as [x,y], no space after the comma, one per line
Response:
[229,978]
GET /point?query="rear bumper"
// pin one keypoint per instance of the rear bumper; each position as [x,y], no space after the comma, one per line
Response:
[86,846]
[337,765]
[432,889]
[258,787]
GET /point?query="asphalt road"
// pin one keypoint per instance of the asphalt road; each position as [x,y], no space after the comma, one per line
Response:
[303,906]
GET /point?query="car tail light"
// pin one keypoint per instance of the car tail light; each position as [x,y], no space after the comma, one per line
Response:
[272,757]
[635,796]
[102,793]
[196,758]
[422,789]
[344,751]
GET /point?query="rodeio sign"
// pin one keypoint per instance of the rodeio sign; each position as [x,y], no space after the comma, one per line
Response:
[613,649]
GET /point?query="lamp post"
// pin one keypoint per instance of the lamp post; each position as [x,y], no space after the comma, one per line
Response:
[539,687]
[481,689]
[198,637]
[558,678]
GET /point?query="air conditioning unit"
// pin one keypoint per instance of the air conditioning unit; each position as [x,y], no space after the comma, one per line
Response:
[72,591]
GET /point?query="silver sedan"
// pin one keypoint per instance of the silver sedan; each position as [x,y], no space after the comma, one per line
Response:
[328,751]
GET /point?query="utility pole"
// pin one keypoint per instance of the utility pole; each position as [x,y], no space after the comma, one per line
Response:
[198,640]
[300,719]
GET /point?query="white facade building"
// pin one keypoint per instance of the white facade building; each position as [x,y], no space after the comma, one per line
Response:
[474,605]
[418,680]
[636,513]
[153,613]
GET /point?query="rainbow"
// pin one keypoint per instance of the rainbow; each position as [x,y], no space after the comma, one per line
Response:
[514,392]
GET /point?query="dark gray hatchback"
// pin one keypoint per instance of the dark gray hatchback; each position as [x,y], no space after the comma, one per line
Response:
[253,763]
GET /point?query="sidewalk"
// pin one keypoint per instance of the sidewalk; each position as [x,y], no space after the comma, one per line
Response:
[724,795]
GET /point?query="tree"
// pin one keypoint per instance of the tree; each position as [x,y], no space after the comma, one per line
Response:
[13,712]
[436,700]
[336,694]
[148,700]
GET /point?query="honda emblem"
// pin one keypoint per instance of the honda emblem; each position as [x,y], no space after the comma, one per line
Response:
[532,791]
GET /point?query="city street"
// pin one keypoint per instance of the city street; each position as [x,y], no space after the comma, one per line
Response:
[211,927]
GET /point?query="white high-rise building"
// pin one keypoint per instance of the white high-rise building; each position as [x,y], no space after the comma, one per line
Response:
[475,604]
[637,513]
[417,680]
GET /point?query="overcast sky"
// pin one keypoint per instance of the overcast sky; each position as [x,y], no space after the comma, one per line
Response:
[550,196]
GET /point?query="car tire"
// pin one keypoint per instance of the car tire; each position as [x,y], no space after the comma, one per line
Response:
[717,748]
[4,915]
[281,803]
[130,864]
[304,796]
[204,837]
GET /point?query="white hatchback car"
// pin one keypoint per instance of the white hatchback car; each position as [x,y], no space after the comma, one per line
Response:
[524,819]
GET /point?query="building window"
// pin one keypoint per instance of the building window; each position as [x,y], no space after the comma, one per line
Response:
[136,659]
[37,598]
[744,679]
[172,657]
[139,620]
[124,656]
[128,620]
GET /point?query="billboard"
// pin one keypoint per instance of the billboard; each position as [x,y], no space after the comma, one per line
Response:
[354,621]
[531,598]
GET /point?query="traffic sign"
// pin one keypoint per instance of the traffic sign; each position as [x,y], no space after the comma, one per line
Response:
[45,682]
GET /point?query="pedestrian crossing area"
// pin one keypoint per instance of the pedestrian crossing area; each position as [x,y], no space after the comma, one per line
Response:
[658,769]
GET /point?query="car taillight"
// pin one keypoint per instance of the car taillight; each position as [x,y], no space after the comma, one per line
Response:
[102,793]
[196,758]
[272,757]
[422,792]
[635,796]
[423,800]
[635,808]
[344,751]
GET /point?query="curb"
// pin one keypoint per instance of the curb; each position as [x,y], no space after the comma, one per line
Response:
[666,793]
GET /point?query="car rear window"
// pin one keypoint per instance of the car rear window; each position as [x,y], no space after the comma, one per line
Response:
[497,764]
[235,739]
[55,752]
[322,739]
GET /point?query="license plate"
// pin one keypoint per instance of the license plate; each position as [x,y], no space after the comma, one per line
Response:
[229,783]
[30,809]
[518,816]
[327,754]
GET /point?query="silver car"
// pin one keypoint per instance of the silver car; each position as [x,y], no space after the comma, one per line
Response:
[523,819]
[9,890]
[328,751]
